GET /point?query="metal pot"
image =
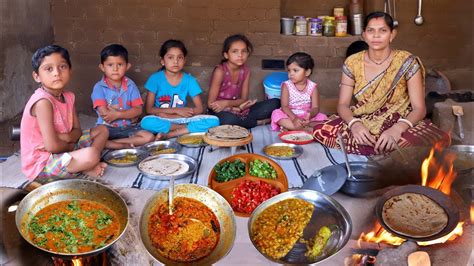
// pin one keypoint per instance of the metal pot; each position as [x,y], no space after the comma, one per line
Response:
[211,199]
[69,189]
[365,177]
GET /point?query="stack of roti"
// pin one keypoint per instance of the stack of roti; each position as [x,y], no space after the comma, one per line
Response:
[414,215]
[228,133]
[163,167]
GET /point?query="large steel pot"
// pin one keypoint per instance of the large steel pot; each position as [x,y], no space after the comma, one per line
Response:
[211,199]
[69,190]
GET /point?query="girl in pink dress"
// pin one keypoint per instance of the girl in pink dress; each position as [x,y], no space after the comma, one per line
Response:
[228,97]
[299,97]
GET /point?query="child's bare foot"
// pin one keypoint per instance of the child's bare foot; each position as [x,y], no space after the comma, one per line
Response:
[160,136]
[96,171]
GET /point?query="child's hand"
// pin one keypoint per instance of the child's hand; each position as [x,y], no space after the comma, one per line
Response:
[185,111]
[217,106]
[297,122]
[247,104]
[110,115]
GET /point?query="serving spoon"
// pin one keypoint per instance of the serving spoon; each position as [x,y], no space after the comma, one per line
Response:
[419,18]
[346,159]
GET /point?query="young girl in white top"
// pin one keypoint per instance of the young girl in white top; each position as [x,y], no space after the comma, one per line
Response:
[299,97]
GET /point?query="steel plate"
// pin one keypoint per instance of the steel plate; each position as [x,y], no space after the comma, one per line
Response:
[298,151]
[179,157]
[327,212]
[192,145]
[121,153]
[165,144]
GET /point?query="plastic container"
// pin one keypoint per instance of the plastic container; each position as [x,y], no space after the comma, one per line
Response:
[315,27]
[329,27]
[301,24]
[287,26]
[338,12]
[341,26]
[272,84]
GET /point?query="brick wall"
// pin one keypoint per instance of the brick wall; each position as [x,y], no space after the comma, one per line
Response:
[86,26]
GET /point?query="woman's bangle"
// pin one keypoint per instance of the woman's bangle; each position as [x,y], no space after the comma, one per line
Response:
[406,121]
[354,120]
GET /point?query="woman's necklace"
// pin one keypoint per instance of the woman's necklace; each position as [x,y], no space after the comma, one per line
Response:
[381,62]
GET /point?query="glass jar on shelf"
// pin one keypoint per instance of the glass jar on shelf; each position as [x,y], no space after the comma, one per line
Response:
[329,27]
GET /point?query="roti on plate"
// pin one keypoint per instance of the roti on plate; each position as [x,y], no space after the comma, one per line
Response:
[231,132]
[164,167]
[414,215]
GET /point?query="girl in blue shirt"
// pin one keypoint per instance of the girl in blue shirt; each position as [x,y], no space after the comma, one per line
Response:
[167,93]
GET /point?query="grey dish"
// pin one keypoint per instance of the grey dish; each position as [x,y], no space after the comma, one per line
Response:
[191,162]
[117,154]
[192,145]
[327,212]
[298,150]
[162,144]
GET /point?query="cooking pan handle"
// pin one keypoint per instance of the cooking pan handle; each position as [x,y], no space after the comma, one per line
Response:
[32,186]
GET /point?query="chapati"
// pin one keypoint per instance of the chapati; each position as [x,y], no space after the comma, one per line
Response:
[163,167]
[414,215]
[228,132]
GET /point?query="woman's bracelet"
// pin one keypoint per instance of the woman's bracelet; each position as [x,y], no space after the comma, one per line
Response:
[406,121]
[354,120]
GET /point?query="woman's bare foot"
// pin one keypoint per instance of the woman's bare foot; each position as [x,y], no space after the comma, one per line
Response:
[97,171]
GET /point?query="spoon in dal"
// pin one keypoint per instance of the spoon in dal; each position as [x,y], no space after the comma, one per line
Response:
[171,194]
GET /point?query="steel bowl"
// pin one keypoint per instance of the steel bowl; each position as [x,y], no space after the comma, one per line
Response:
[327,212]
[211,199]
[298,151]
[165,144]
[70,189]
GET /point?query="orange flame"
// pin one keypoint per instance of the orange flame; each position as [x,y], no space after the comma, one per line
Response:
[77,262]
[472,213]
[435,173]
[440,172]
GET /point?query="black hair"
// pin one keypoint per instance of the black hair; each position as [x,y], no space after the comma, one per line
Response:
[379,14]
[113,50]
[356,47]
[41,53]
[235,38]
[167,45]
[303,60]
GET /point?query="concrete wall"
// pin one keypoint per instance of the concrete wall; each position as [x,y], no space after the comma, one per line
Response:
[25,25]
[86,26]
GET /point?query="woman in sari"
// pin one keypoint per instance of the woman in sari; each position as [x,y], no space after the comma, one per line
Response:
[387,87]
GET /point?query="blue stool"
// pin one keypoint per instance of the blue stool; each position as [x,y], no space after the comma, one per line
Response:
[272,84]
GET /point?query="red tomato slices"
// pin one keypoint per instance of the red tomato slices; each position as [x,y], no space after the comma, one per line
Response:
[248,195]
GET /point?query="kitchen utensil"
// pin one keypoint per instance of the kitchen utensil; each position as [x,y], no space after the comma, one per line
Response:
[459,112]
[402,155]
[327,212]
[171,195]
[225,188]
[327,180]
[419,18]
[152,147]
[211,199]
[437,196]
[191,162]
[346,159]
[395,21]
[118,154]
[68,190]
[298,150]
[366,177]
[299,137]
[191,145]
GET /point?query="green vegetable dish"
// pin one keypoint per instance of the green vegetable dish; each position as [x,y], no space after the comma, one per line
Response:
[227,170]
[262,169]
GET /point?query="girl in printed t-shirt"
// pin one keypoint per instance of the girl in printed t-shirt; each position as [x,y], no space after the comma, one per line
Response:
[166,97]
[299,97]
[229,92]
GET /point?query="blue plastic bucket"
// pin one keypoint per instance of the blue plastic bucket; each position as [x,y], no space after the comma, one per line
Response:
[272,84]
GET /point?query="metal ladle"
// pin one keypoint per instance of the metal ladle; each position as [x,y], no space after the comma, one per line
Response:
[346,159]
[171,194]
[419,18]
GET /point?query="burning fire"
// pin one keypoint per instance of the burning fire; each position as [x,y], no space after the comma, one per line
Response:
[440,174]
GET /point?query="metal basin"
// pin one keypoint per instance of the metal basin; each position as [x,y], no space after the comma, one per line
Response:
[211,199]
[327,212]
[69,190]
